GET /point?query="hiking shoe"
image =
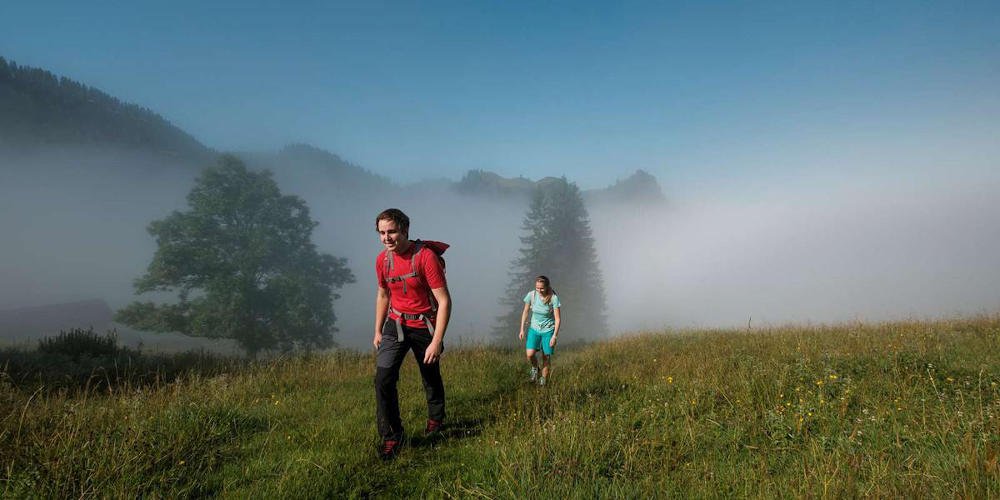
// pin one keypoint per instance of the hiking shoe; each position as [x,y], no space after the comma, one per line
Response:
[533,374]
[541,380]
[389,450]
[433,427]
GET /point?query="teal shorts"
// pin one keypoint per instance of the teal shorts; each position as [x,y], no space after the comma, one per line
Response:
[539,341]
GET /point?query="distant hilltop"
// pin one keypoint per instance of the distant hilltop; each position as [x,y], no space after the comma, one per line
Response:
[641,186]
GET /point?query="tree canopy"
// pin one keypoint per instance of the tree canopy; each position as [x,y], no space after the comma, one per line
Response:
[243,266]
[558,243]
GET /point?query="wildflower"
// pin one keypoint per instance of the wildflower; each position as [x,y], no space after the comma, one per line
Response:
[180,463]
[950,379]
[670,380]
[833,377]
[819,383]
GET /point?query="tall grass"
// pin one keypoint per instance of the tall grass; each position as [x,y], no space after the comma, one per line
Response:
[892,409]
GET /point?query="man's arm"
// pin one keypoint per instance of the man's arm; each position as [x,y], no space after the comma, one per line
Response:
[381,309]
[433,352]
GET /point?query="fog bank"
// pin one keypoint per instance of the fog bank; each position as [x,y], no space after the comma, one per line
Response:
[859,252]
[74,227]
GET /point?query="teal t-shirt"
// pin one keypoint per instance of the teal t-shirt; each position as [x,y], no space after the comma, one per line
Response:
[542,318]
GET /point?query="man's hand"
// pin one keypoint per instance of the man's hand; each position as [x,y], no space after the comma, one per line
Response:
[377,341]
[433,352]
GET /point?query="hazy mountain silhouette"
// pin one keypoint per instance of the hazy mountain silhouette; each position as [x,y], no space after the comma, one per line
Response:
[309,164]
[640,187]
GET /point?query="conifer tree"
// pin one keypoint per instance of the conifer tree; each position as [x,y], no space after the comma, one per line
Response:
[558,243]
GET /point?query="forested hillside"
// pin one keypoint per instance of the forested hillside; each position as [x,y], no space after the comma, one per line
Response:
[39,109]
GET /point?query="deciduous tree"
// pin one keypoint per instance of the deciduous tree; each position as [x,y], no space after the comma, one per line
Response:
[242,263]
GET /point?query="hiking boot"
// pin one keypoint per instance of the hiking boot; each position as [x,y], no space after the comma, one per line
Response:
[389,450]
[533,374]
[433,427]
[541,380]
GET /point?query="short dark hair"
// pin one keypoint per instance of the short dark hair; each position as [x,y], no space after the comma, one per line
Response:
[395,215]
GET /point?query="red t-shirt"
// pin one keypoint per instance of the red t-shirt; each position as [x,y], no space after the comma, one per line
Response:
[416,300]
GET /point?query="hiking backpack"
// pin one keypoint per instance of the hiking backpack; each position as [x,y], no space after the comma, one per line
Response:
[437,248]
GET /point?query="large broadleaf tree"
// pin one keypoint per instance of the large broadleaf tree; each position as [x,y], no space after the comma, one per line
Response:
[242,265]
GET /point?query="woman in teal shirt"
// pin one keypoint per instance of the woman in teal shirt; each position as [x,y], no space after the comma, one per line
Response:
[543,332]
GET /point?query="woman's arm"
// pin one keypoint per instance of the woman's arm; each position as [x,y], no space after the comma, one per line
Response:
[524,317]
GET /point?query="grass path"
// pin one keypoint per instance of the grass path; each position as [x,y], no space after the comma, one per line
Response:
[896,409]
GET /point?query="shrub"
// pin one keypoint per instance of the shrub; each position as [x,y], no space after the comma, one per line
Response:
[79,343]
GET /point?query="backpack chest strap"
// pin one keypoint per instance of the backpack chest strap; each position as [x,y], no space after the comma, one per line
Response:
[390,259]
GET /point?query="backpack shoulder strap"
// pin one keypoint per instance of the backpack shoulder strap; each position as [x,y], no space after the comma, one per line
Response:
[417,248]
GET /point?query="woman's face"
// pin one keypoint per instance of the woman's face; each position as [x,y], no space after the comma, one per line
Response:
[541,288]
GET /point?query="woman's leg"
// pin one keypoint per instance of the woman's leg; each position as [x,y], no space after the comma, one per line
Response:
[546,362]
[530,353]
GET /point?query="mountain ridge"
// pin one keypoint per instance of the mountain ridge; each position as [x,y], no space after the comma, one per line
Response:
[43,110]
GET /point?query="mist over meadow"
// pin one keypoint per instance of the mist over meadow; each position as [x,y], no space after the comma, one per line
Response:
[75,226]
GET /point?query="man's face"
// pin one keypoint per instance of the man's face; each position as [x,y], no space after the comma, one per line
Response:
[390,235]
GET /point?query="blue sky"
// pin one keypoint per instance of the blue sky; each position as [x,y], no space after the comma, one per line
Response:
[701,94]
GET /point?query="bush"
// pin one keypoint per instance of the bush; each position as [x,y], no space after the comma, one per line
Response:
[79,343]
[82,360]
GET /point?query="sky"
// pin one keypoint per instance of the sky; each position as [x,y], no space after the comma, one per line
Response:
[729,98]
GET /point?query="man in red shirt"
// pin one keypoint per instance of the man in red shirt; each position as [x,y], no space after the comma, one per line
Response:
[412,308]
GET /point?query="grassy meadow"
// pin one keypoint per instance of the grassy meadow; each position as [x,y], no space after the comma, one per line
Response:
[907,409]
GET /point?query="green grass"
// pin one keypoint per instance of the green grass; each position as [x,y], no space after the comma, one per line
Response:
[896,409]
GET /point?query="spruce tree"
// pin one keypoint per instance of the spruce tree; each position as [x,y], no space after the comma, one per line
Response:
[558,243]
